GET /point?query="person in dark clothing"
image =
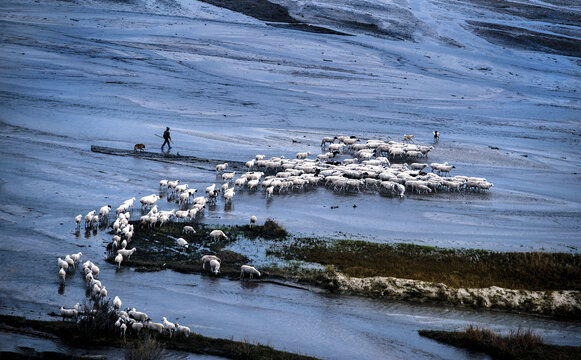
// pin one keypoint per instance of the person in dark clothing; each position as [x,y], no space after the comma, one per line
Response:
[167,138]
[436,136]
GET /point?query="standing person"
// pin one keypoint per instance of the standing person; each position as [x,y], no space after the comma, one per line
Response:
[436,136]
[167,139]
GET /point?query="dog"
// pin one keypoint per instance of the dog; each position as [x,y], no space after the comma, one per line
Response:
[140,147]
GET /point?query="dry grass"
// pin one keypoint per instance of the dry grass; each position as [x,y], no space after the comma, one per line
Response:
[519,344]
[456,268]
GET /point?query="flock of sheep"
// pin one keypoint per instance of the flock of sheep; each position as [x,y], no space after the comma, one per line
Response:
[365,166]
[130,320]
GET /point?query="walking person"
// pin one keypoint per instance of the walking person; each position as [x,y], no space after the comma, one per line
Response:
[167,139]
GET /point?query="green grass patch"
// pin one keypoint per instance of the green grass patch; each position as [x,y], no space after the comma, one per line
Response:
[454,267]
[519,344]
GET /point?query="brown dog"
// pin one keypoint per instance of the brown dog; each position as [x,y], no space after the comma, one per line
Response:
[140,147]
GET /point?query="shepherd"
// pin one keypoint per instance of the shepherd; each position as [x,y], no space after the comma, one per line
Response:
[167,139]
[436,136]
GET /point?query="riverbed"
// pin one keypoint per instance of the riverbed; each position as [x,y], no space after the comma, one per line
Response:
[84,73]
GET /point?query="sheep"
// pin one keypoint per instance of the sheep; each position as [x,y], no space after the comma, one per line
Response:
[269,191]
[149,200]
[62,275]
[188,230]
[172,184]
[126,253]
[221,167]
[303,155]
[169,326]
[228,176]
[78,219]
[104,212]
[408,138]
[69,313]
[182,242]
[210,189]
[89,218]
[139,316]
[154,326]
[253,220]
[137,326]
[76,257]
[123,330]
[217,234]
[259,157]
[215,266]
[182,331]
[162,183]
[70,262]
[117,303]
[95,270]
[229,194]
[63,264]
[118,260]
[248,269]
[328,139]
[181,188]
[208,258]
[253,184]
[445,169]
[249,164]
[418,166]
[103,293]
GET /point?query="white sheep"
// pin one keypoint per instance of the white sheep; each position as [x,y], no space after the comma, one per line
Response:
[209,189]
[63,264]
[69,313]
[117,303]
[62,275]
[208,258]
[70,261]
[182,331]
[253,220]
[126,253]
[78,219]
[182,242]
[215,266]
[303,155]
[221,167]
[123,330]
[247,269]
[188,230]
[328,139]
[76,257]
[169,326]
[104,212]
[137,326]
[249,164]
[229,194]
[228,176]
[154,326]
[118,260]
[163,183]
[217,234]
[259,157]
[149,200]
[139,316]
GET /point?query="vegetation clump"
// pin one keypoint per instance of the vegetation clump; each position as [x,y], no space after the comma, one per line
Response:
[457,268]
[519,344]
[270,230]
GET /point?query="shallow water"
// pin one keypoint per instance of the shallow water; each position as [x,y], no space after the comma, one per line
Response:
[231,87]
